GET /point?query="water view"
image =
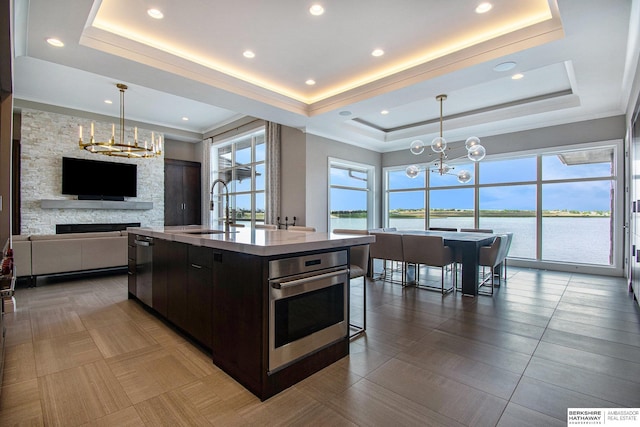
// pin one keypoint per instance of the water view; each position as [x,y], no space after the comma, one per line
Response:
[569,239]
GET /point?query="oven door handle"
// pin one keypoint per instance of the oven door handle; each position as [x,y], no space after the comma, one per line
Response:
[304,280]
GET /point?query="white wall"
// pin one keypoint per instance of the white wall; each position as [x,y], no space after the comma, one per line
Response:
[293,172]
[305,157]
[178,150]
[305,174]
[318,152]
[46,138]
[305,161]
[607,129]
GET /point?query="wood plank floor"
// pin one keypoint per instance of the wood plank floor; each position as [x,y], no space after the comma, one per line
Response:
[79,353]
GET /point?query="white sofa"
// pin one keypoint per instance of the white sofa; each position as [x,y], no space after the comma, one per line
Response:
[40,255]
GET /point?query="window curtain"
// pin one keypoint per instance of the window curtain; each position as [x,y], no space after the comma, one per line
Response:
[206,180]
[272,190]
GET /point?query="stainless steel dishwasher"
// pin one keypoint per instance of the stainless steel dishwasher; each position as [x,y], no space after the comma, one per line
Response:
[144,268]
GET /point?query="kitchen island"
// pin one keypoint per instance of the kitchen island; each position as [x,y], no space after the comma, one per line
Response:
[272,306]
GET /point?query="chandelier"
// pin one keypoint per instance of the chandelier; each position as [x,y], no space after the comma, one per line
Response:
[121,148]
[475,152]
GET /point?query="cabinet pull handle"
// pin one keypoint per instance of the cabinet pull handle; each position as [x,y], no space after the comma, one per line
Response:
[196,266]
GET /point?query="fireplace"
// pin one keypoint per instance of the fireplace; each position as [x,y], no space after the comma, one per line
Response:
[92,228]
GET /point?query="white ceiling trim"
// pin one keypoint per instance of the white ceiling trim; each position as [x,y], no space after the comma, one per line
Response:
[114,40]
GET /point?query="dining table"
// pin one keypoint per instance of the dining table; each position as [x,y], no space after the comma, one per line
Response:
[466,246]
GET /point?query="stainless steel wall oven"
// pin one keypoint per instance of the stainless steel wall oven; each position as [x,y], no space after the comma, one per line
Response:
[308,305]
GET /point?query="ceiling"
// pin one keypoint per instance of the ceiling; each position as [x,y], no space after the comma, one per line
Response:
[575,56]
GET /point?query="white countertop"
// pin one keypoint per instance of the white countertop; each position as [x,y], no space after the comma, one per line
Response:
[254,241]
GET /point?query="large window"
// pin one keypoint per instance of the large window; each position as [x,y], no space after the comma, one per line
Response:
[508,201]
[240,163]
[406,200]
[577,201]
[559,205]
[350,195]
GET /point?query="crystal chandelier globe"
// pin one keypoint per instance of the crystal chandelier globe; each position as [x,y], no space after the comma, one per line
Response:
[475,152]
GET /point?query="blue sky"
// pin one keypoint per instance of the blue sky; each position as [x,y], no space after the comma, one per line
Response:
[582,196]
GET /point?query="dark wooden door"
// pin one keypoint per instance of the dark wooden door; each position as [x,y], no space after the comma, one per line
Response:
[191,195]
[182,192]
[172,193]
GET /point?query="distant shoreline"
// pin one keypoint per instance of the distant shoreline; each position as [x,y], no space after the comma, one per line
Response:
[448,213]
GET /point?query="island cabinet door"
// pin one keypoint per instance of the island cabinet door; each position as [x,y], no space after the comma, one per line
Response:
[200,294]
[131,264]
[239,319]
[177,284]
[161,259]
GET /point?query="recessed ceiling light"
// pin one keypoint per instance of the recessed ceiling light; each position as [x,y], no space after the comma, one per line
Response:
[517,76]
[310,82]
[155,14]
[316,10]
[108,101]
[484,7]
[248,54]
[504,66]
[345,113]
[384,112]
[377,52]
[185,119]
[54,42]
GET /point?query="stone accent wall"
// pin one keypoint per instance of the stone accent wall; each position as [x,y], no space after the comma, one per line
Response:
[48,137]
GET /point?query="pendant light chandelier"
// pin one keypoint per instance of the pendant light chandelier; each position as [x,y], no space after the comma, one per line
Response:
[122,148]
[475,152]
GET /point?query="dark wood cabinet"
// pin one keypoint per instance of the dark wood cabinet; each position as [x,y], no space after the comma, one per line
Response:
[200,294]
[239,318]
[161,261]
[177,284]
[220,299]
[182,192]
[131,262]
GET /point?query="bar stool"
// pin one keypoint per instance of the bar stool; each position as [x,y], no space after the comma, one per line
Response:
[358,265]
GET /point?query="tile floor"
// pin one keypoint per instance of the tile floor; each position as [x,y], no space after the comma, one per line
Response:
[80,353]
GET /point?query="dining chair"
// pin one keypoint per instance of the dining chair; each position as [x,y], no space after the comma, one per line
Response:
[387,247]
[358,267]
[384,229]
[266,226]
[301,228]
[442,229]
[491,256]
[507,246]
[430,251]
[476,230]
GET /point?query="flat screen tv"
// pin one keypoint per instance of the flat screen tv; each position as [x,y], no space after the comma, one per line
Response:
[98,180]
